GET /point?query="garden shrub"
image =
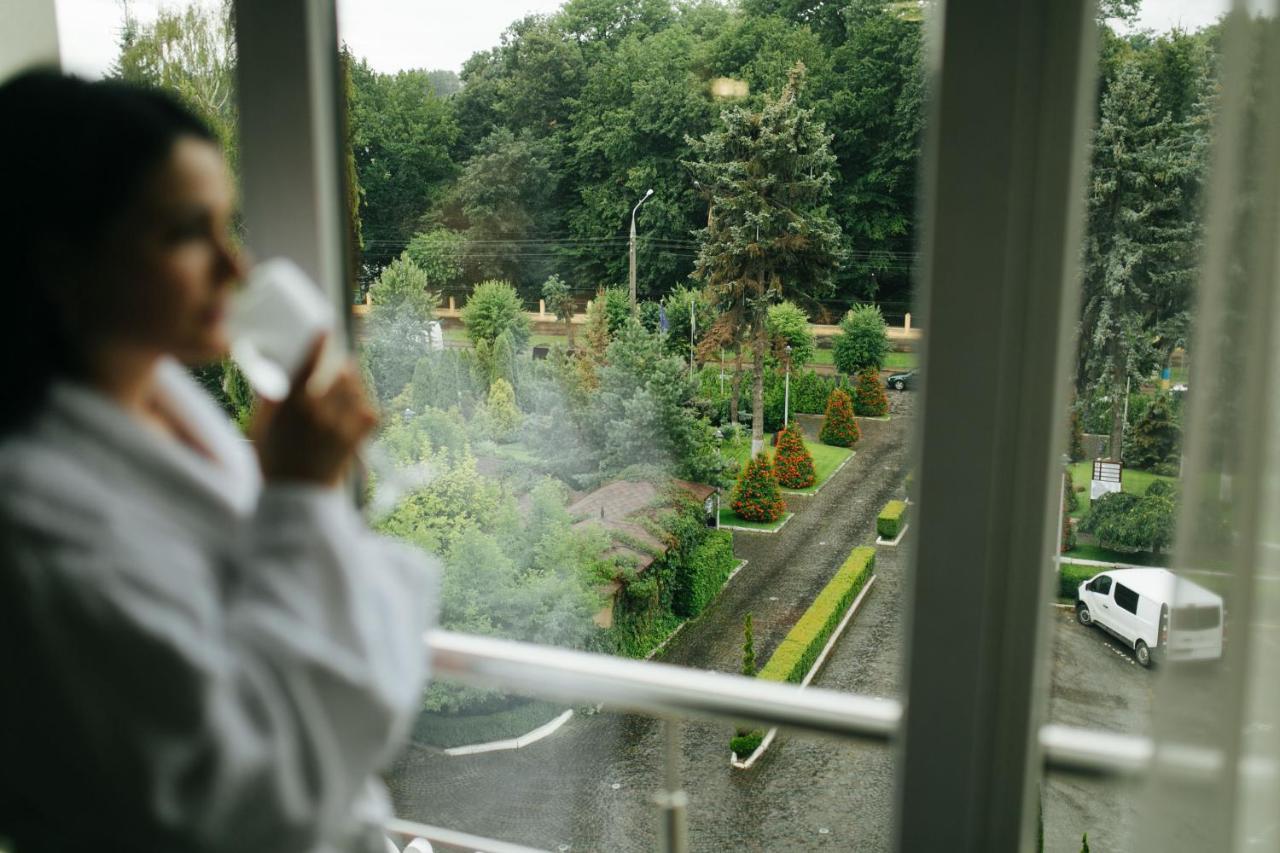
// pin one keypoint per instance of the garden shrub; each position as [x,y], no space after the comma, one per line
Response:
[1123,521]
[863,340]
[889,522]
[787,324]
[869,399]
[493,308]
[839,429]
[1070,576]
[745,744]
[800,648]
[757,496]
[1155,438]
[504,416]
[700,577]
[792,461]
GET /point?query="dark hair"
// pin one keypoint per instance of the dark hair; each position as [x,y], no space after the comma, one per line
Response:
[73,156]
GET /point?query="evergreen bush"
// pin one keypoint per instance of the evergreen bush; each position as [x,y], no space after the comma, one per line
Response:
[889,522]
[839,429]
[869,399]
[504,416]
[792,461]
[699,579]
[863,340]
[746,743]
[494,308]
[757,496]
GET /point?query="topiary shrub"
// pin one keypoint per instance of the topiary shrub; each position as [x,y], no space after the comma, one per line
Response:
[757,497]
[889,522]
[746,743]
[1070,576]
[792,461]
[839,429]
[869,399]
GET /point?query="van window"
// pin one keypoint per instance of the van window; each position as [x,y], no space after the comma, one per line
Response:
[1101,584]
[1196,618]
[1126,598]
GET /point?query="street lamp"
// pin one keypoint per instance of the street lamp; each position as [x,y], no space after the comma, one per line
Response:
[632,248]
[786,393]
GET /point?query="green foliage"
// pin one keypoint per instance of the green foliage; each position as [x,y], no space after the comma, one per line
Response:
[892,517]
[435,517]
[447,731]
[558,299]
[748,648]
[1070,500]
[1084,843]
[792,460]
[445,380]
[677,304]
[745,744]
[788,325]
[1075,447]
[403,286]
[839,428]
[1070,576]
[757,497]
[869,399]
[439,254]
[1123,521]
[700,577]
[863,340]
[1155,438]
[504,416]
[617,308]
[795,655]
[493,308]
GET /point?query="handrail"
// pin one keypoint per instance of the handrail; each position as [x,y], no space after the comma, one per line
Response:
[663,690]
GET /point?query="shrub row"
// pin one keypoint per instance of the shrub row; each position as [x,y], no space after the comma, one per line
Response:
[889,522]
[800,648]
[1070,576]
[702,575]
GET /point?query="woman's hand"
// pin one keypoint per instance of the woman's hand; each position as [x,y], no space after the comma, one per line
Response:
[312,438]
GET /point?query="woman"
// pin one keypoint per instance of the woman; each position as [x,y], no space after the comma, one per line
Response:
[201,650]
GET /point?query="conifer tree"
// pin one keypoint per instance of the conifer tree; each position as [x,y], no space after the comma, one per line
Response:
[839,429]
[869,400]
[748,648]
[757,496]
[793,462]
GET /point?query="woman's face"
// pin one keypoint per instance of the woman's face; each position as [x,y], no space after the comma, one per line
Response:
[161,278]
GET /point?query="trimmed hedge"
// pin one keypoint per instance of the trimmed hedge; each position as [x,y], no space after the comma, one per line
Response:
[701,577]
[745,744]
[889,522]
[1070,576]
[800,648]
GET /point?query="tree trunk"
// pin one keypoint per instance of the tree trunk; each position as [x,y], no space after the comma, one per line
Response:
[736,396]
[1119,399]
[757,388]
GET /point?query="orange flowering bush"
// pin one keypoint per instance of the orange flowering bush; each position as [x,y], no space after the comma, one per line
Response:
[870,399]
[757,496]
[793,463]
[839,429]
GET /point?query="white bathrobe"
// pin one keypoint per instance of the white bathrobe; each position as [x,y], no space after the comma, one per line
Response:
[190,660]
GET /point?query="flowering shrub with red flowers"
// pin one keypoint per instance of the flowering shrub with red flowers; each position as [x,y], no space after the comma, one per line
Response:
[869,397]
[757,496]
[839,429]
[793,463]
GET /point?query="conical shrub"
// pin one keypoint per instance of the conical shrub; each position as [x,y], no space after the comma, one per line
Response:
[757,496]
[869,400]
[793,462]
[839,429]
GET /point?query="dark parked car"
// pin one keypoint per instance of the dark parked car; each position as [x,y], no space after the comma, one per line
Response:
[901,381]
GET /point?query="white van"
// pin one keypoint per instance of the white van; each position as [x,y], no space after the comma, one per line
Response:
[1155,612]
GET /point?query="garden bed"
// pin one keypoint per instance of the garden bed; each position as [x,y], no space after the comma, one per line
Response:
[827,460]
[730,520]
[453,730]
[1131,480]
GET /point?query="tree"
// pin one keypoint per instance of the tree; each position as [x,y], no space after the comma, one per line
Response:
[439,253]
[869,399]
[787,325]
[748,648]
[839,428]
[757,497]
[504,415]
[1123,521]
[863,340]
[1155,438]
[792,460]
[404,286]
[396,328]
[679,304]
[559,300]
[1084,843]
[494,308]
[1075,446]
[769,175]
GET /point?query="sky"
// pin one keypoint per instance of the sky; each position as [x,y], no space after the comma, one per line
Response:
[397,34]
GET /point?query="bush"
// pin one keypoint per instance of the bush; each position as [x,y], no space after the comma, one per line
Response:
[788,325]
[494,308]
[792,461]
[745,744]
[1075,446]
[699,579]
[800,648]
[889,522]
[839,429]
[504,417]
[1123,521]
[810,390]
[863,340]
[869,399]
[1155,438]
[1070,576]
[757,497]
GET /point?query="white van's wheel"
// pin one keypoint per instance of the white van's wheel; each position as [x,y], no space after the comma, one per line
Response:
[1142,653]
[1083,616]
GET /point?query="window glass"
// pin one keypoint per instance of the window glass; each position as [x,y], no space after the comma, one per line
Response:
[1126,598]
[1102,585]
[1196,618]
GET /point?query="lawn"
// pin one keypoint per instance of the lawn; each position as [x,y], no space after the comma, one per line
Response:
[826,459]
[458,335]
[1086,551]
[1132,481]
[893,361]
[729,518]
[450,730]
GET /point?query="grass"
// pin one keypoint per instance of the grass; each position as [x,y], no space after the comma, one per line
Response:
[729,518]
[1086,551]
[893,361]
[450,730]
[1132,481]
[826,459]
[458,335]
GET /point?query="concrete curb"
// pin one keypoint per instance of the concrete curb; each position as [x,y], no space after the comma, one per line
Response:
[893,543]
[830,477]
[813,671]
[545,730]
[680,627]
[881,418]
[785,519]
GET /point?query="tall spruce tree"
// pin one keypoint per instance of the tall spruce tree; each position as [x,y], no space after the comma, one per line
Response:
[769,174]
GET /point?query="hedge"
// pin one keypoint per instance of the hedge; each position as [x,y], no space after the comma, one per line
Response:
[1070,576]
[800,648]
[889,522]
[701,577]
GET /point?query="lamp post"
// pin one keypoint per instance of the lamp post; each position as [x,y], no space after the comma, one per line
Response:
[632,248]
[786,392]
